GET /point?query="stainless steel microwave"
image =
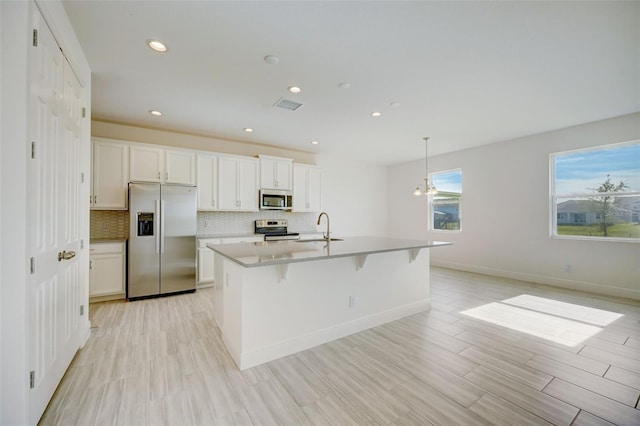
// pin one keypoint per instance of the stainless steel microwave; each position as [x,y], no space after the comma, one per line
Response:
[271,199]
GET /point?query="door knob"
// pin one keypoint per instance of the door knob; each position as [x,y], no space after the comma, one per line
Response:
[66,255]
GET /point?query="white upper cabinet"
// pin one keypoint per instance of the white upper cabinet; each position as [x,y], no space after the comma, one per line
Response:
[153,164]
[207,182]
[110,174]
[238,183]
[276,173]
[180,167]
[307,188]
[147,164]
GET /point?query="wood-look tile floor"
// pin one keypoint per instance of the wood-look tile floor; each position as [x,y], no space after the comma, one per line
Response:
[162,362]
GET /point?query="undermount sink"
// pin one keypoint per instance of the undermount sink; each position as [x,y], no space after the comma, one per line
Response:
[318,239]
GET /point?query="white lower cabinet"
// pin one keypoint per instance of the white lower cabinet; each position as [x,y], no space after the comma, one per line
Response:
[205,264]
[107,269]
[205,255]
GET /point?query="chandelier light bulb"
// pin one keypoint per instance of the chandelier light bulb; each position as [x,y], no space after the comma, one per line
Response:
[428,188]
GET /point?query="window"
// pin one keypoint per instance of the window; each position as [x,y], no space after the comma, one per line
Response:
[445,205]
[595,193]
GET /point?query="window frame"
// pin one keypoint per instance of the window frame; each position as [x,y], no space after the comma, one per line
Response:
[430,203]
[554,197]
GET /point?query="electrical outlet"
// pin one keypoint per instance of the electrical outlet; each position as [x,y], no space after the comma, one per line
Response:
[352,301]
[568,268]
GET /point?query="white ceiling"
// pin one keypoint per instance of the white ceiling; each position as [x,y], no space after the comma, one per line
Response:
[463,73]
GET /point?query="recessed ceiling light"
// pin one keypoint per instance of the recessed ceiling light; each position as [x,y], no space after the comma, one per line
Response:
[155,112]
[314,142]
[248,129]
[376,114]
[271,60]
[294,89]
[344,85]
[156,45]
[394,104]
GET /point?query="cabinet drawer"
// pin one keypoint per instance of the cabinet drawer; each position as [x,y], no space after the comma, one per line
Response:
[104,248]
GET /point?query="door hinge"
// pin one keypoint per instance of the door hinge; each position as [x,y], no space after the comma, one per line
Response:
[81,310]
[81,244]
[32,379]
[33,150]
[35,37]
[32,265]
[84,112]
[81,177]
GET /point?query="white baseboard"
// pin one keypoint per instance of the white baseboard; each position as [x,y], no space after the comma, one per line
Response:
[279,350]
[543,279]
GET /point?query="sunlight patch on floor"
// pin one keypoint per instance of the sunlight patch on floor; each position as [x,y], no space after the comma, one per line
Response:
[560,322]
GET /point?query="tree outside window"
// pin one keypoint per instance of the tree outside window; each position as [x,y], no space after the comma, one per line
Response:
[596,192]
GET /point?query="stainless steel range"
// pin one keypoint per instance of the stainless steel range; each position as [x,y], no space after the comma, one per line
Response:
[275,229]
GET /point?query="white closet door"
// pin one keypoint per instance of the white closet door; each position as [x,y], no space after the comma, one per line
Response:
[54,205]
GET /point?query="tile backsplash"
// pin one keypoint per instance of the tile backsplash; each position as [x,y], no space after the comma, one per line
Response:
[107,224]
[242,222]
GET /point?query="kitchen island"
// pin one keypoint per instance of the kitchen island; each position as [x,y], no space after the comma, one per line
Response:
[275,298]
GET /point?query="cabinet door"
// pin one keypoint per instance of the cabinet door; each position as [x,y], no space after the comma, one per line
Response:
[106,274]
[110,175]
[248,187]
[268,173]
[205,265]
[284,174]
[207,182]
[180,167]
[146,164]
[307,188]
[228,183]
[275,173]
[300,202]
[314,189]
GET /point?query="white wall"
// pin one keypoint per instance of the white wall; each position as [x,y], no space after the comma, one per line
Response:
[506,210]
[350,189]
[353,196]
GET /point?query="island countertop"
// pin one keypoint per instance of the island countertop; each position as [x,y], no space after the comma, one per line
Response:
[265,253]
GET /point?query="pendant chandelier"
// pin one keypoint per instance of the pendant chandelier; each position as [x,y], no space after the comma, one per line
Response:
[427,188]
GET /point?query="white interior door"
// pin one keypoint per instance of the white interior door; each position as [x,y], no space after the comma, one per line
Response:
[54,206]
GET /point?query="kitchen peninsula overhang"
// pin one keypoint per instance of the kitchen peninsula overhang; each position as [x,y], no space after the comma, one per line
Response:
[267,253]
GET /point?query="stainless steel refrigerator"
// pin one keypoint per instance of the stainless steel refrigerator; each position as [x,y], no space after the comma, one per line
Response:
[162,247]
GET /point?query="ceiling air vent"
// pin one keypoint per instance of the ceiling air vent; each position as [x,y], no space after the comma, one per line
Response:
[287,104]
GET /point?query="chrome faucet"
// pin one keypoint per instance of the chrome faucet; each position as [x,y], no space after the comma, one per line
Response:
[326,236]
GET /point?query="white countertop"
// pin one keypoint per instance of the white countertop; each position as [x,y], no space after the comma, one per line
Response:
[267,253]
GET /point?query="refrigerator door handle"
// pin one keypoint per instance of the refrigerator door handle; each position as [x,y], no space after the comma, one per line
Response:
[157,231]
[162,203]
